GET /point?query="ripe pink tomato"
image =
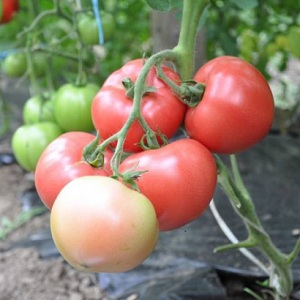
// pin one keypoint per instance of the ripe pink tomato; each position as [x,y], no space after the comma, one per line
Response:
[100,225]
[161,109]
[237,108]
[180,180]
[62,161]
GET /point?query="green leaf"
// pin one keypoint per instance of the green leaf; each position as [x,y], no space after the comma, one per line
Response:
[246,4]
[164,5]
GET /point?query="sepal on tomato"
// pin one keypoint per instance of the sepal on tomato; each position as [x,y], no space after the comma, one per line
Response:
[191,92]
[129,86]
[130,177]
[153,140]
[92,155]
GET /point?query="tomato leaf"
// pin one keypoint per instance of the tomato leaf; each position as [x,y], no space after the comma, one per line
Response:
[245,4]
[164,5]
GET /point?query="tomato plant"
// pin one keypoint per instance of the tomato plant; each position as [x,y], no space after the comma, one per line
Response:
[62,161]
[88,28]
[9,8]
[72,106]
[29,141]
[100,225]
[111,106]
[237,108]
[15,64]
[36,109]
[180,180]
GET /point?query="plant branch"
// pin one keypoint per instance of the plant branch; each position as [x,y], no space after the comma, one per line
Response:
[51,12]
[232,238]
[281,279]
[192,11]
[295,252]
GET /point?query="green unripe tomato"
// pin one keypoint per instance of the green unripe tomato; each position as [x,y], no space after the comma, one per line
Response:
[72,107]
[272,48]
[56,33]
[40,63]
[15,65]
[29,141]
[36,109]
[281,41]
[88,29]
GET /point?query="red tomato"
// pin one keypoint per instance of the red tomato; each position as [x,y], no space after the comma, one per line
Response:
[161,109]
[237,108]
[9,8]
[180,180]
[100,225]
[62,161]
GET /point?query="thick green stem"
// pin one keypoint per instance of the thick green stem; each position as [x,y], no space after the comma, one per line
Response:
[281,280]
[192,11]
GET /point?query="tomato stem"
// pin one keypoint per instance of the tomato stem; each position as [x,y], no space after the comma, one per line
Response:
[192,11]
[81,79]
[31,69]
[281,276]
[189,92]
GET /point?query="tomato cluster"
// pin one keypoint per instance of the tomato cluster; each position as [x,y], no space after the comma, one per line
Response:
[46,117]
[118,216]
[58,102]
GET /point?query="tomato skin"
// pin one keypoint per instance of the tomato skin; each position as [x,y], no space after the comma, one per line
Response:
[72,106]
[237,108]
[62,161]
[29,141]
[15,64]
[100,225]
[37,110]
[88,28]
[9,8]
[40,63]
[111,107]
[180,180]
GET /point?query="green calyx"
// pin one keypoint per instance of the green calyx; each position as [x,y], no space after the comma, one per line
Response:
[92,154]
[129,86]
[153,140]
[191,92]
